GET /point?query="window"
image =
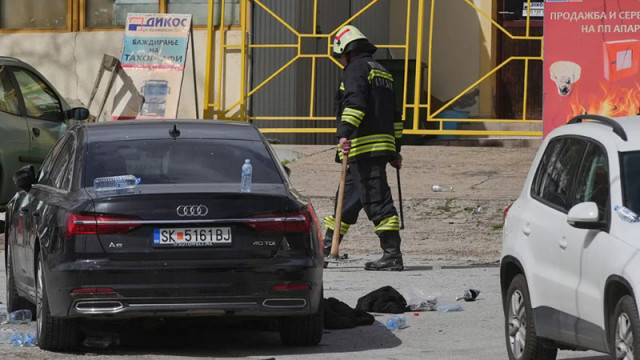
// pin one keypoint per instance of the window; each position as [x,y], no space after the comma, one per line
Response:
[35,14]
[630,162]
[554,177]
[185,161]
[8,94]
[113,13]
[40,100]
[59,167]
[592,182]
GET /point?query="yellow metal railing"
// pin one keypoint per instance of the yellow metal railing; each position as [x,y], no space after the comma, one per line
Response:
[214,106]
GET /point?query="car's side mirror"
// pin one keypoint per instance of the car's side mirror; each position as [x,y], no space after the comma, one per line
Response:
[78,113]
[25,178]
[585,216]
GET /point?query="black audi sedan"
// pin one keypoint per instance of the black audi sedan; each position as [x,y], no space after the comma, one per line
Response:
[136,219]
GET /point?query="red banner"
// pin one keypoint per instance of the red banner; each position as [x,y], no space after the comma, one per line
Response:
[591,59]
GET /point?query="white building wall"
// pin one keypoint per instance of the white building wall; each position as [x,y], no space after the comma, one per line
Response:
[70,61]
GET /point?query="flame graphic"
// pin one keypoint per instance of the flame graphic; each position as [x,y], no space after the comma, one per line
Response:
[616,101]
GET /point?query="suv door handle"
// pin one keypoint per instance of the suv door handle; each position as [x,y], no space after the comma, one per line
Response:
[36,132]
[526,230]
[563,244]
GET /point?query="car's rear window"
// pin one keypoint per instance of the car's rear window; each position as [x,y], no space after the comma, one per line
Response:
[181,161]
[630,162]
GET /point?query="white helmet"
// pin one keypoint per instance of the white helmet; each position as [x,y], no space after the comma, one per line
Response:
[345,36]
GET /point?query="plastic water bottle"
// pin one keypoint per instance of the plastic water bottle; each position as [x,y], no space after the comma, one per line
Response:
[17,339]
[441,188]
[626,214]
[247,174]
[450,308]
[119,182]
[396,322]
[20,317]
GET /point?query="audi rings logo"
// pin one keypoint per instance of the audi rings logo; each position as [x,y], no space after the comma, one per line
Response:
[192,210]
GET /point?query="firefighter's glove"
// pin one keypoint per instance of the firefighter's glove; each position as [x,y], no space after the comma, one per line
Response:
[345,146]
[397,161]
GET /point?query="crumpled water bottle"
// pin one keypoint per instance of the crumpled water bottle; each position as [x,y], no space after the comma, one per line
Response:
[450,308]
[247,174]
[441,188]
[19,339]
[120,182]
[396,322]
[20,317]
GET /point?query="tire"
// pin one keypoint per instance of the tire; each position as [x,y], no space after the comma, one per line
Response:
[303,330]
[519,327]
[53,334]
[14,301]
[625,330]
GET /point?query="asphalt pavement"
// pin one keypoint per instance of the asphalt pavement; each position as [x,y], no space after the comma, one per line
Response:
[475,333]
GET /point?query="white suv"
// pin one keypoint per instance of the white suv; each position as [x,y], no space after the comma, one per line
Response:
[570,263]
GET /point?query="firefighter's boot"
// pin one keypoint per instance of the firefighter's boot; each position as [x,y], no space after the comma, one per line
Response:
[391,259]
[328,240]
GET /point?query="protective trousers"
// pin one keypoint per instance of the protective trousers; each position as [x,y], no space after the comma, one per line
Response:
[366,187]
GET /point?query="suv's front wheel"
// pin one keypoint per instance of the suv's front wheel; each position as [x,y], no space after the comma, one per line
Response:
[625,330]
[520,329]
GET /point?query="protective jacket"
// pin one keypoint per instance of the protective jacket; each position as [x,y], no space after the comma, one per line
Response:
[366,110]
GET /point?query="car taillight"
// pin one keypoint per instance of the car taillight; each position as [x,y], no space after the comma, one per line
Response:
[81,224]
[299,221]
[506,212]
[314,219]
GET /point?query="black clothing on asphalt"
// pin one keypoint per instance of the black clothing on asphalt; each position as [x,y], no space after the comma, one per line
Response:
[383,300]
[338,315]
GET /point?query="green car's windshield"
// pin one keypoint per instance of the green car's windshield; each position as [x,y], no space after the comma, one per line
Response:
[630,162]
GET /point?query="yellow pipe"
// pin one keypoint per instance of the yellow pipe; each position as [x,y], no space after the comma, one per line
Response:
[433,115]
[315,16]
[313,85]
[268,46]
[526,86]
[207,74]
[277,17]
[390,46]
[298,130]
[535,134]
[406,62]
[528,20]
[321,118]
[418,79]
[468,120]
[221,53]
[243,56]
[349,20]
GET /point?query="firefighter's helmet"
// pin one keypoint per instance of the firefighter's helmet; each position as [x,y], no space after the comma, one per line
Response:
[349,38]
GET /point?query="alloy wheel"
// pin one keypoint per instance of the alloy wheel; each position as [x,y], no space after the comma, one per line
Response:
[517,324]
[624,338]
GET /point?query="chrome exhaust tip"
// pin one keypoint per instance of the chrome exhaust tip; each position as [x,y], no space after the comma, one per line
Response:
[292,303]
[99,307]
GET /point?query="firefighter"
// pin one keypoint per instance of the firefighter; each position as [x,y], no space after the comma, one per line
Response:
[369,130]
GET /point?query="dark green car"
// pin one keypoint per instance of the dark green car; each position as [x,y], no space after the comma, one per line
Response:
[33,116]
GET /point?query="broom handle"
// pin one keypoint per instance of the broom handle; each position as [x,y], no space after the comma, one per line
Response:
[335,242]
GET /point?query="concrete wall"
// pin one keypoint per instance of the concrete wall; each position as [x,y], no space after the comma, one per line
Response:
[70,61]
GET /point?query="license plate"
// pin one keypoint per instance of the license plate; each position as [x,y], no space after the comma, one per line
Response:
[191,237]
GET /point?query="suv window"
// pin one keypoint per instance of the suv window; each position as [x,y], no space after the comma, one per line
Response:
[182,161]
[40,100]
[553,180]
[630,162]
[592,182]
[8,95]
